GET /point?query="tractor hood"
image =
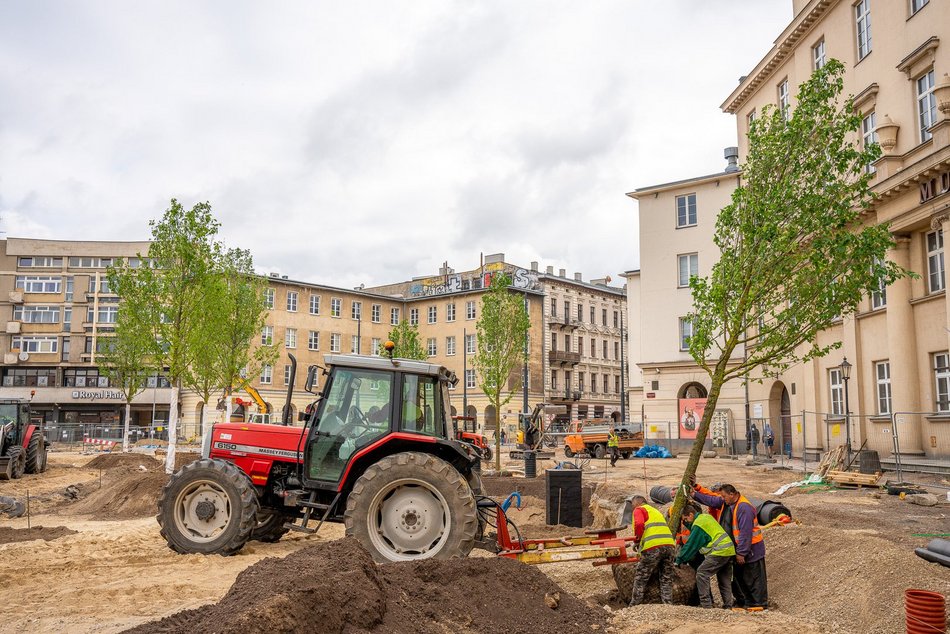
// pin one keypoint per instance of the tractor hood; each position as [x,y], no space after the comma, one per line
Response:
[230,440]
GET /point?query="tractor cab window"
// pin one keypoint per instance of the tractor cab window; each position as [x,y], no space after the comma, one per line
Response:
[356,411]
[423,406]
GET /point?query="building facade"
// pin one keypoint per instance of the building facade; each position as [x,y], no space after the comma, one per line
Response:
[897,343]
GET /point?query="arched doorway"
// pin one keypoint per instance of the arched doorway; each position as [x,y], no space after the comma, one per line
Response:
[491,419]
[454,411]
[692,390]
[615,417]
[780,412]
[472,411]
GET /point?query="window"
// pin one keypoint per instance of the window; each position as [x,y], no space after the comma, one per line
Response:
[90,263]
[36,314]
[67,321]
[605,379]
[469,344]
[593,313]
[103,286]
[469,378]
[106,314]
[942,378]
[818,54]
[783,102]
[433,314]
[287,374]
[266,372]
[686,331]
[685,212]
[414,316]
[291,301]
[617,383]
[567,343]
[580,312]
[374,346]
[39,284]
[335,341]
[103,344]
[869,135]
[430,346]
[688,268]
[394,316]
[356,310]
[314,304]
[354,344]
[616,319]
[313,340]
[554,341]
[936,277]
[750,119]
[269,298]
[882,371]
[580,381]
[450,346]
[616,351]
[69,289]
[554,307]
[603,316]
[267,336]
[29,377]
[450,312]
[376,312]
[567,310]
[336,307]
[290,338]
[89,377]
[41,262]
[470,309]
[862,18]
[926,104]
[593,347]
[879,297]
[39,345]
[605,342]
[836,387]
[917,5]
[553,379]
[580,345]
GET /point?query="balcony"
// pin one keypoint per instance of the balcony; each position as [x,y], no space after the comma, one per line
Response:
[567,395]
[564,322]
[564,358]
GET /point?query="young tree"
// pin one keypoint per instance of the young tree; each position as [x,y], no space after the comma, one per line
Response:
[502,330]
[795,254]
[406,338]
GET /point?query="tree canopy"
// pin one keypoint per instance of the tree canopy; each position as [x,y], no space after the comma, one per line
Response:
[406,338]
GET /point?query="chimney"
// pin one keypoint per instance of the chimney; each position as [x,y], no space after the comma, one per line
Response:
[732,157]
[578,277]
[562,273]
[534,267]
[550,270]
[283,277]
[494,258]
[275,274]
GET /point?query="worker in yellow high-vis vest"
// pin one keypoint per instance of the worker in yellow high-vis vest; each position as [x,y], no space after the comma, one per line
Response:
[709,539]
[656,545]
[613,446]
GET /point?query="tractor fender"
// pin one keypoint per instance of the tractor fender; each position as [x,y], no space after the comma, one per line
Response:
[29,434]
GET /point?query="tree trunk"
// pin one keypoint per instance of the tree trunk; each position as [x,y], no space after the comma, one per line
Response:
[172,429]
[125,427]
[204,408]
[497,403]
[697,451]
[227,406]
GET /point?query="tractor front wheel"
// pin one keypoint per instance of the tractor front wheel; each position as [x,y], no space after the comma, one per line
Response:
[208,507]
[600,451]
[568,452]
[412,506]
[17,461]
[36,453]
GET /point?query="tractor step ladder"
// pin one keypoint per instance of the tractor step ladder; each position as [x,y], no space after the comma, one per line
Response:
[309,507]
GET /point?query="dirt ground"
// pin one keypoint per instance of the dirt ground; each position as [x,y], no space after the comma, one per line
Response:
[843,569]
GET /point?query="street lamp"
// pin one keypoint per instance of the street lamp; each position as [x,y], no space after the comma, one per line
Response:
[846,376]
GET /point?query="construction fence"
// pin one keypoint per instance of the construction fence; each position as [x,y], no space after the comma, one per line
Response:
[98,437]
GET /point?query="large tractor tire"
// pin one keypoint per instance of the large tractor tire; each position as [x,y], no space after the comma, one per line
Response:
[270,526]
[600,451]
[208,507]
[17,461]
[36,453]
[684,584]
[412,506]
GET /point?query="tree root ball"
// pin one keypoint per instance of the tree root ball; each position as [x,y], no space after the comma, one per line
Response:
[684,585]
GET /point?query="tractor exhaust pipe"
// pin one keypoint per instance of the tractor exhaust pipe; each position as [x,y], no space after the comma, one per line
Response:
[287,418]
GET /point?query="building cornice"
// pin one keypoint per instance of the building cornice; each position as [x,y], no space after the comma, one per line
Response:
[637,194]
[784,46]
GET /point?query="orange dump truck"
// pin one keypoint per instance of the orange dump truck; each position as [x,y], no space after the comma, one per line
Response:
[592,439]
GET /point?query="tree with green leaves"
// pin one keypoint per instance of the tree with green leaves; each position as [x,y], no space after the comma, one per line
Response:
[174,281]
[796,251]
[406,338]
[502,334]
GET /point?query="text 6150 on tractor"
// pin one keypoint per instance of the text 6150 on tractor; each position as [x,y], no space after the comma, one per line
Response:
[22,445]
[377,452]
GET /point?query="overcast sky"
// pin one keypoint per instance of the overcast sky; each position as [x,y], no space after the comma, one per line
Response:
[367,142]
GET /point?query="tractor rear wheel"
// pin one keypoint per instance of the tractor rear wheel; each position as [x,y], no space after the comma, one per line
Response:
[270,526]
[208,507]
[599,451]
[412,506]
[684,584]
[36,453]
[17,460]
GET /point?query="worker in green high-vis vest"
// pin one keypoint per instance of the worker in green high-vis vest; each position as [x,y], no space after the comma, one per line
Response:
[708,538]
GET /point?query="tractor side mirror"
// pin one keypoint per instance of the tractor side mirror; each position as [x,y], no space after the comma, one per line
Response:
[311,378]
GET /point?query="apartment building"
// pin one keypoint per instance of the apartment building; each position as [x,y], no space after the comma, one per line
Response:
[897,343]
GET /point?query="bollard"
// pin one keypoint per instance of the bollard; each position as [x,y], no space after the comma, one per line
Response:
[530,464]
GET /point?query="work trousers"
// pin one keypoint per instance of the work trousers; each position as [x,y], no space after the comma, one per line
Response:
[614,455]
[650,560]
[750,585]
[721,568]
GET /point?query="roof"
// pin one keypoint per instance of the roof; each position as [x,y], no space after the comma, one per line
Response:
[385,363]
[637,193]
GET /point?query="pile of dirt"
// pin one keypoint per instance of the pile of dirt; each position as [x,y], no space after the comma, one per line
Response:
[336,587]
[124,494]
[123,460]
[659,619]
[845,579]
[9,535]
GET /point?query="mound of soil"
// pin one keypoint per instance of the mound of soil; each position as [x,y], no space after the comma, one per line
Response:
[125,494]
[9,535]
[114,460]
[336,587]
[658,619]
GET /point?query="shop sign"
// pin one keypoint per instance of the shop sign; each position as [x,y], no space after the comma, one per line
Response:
[98,395]
[933,187]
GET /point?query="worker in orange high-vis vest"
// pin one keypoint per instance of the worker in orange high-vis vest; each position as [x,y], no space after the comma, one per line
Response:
[738,518]
[714,490]
[656,545]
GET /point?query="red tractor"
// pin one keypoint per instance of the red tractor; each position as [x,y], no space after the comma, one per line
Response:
[377,453]
[465,431]
[22,445]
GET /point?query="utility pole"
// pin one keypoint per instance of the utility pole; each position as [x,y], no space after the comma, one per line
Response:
[465,372]
[623,380]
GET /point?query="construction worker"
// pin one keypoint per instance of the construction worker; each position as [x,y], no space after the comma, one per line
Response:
[713,490]
[709,539]
[655,543]
[738,518]
[613,446]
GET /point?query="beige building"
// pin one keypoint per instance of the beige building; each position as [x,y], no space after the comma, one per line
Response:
[897,343]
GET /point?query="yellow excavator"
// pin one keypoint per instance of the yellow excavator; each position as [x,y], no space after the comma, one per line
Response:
[240,414]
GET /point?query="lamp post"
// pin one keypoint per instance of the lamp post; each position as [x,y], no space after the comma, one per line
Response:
[846,376]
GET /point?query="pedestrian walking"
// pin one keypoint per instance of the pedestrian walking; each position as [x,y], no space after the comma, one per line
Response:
[755,439]
[768,437]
